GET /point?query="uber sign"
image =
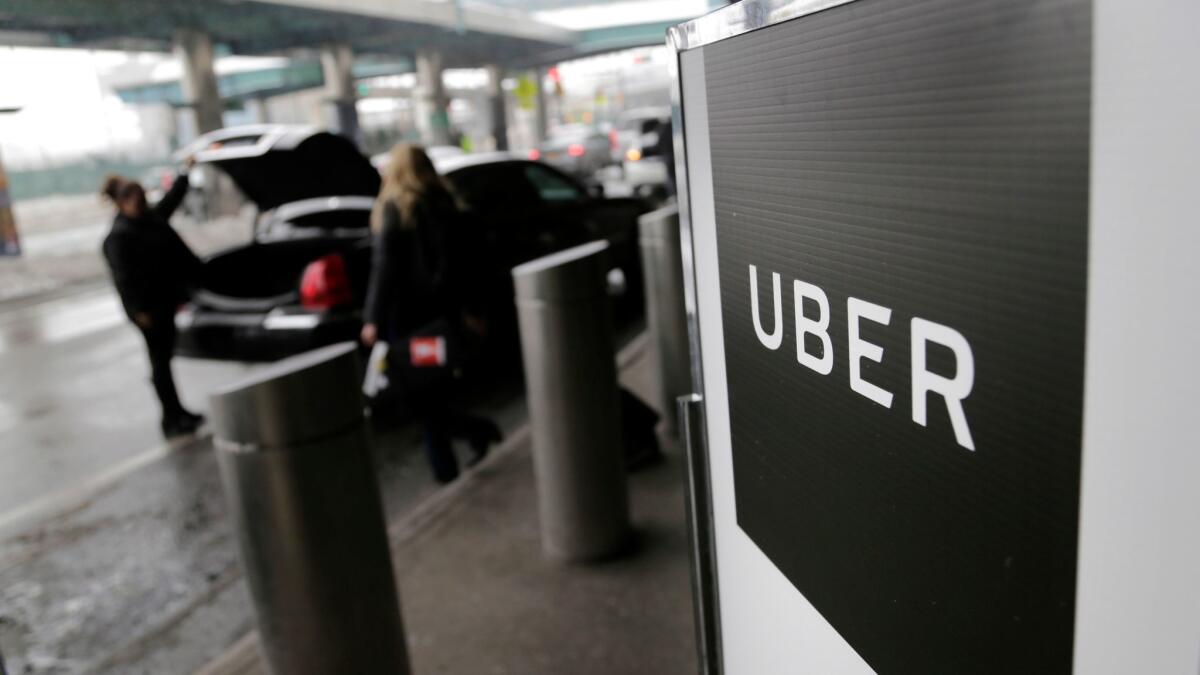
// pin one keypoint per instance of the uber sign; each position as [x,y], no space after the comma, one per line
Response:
[901,199]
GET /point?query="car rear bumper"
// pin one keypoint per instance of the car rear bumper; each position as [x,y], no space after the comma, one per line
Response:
[567,164]
[247,336]
[648,171]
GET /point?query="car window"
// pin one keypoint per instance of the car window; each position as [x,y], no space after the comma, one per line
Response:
[550,186]
[493,186]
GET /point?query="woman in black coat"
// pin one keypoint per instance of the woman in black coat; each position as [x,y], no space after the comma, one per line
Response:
[418,287]
[152,269]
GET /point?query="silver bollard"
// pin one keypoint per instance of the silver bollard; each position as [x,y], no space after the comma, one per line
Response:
[294,461]
[666,316]
[574,403]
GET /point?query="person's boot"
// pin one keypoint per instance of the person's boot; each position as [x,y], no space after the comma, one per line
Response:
[181,423]
[483,434]
[440,453]
[194,419]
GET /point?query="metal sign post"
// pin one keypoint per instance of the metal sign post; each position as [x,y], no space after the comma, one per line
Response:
[305,506]
[574,403]
[939,273]
[666,323]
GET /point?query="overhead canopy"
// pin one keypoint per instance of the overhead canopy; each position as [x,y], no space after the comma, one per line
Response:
[466,36]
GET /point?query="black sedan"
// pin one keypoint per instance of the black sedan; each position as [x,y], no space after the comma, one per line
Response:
[300,283]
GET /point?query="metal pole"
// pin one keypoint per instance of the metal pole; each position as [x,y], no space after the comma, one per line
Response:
[666,317]
[574,403]
[703,553]
[305,505]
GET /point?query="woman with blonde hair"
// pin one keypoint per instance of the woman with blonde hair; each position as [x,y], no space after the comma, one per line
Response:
[415,284]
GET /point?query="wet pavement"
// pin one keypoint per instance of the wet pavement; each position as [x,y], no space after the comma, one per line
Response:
[478,594]
[115,555]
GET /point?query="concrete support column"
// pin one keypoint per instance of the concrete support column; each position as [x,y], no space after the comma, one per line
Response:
[203,111]
[194,49]
[432,105]
[499,112]
[337,67]
[543,128]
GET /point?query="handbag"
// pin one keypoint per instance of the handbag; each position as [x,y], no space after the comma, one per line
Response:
[405,367]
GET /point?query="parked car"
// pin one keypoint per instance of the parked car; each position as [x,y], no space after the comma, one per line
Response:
[436,153]
[576,149]
[638,135]
[301,282]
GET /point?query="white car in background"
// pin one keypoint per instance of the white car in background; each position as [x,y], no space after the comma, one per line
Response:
[638,136]
[436,154]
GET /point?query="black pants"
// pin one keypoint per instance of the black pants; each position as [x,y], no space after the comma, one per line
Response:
[160,344]
[444,421]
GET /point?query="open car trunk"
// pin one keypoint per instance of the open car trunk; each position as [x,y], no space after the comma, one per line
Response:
[261,276]
[277,164]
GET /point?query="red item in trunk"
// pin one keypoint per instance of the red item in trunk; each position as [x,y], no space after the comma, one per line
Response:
[325,283]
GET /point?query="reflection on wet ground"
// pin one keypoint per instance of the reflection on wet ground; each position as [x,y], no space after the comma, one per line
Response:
[143,576]
[115,554]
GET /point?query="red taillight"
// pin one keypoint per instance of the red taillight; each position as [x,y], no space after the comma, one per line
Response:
[575,150]
[325,283]
[535,154]
[613,141]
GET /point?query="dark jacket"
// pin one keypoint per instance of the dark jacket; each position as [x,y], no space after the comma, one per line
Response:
[151,266]
[415,278]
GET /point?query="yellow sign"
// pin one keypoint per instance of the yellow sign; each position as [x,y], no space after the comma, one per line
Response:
[526,93]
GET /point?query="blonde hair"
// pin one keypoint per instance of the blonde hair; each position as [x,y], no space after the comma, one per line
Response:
[409,176]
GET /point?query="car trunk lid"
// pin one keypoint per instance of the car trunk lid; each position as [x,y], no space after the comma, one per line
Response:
[274,166]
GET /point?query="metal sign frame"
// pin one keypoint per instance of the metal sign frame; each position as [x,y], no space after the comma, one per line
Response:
[727,22]
[730,21]
[1134,612]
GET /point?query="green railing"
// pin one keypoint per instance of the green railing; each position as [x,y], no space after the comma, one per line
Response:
[76,178]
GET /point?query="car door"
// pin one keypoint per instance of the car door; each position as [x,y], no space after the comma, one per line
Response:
[529,209]
[564,214]
[572,217]
[497,202]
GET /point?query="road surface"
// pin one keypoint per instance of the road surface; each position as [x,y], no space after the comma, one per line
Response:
[115,555]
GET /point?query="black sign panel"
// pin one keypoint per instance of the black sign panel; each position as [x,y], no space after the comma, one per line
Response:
[901,188]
